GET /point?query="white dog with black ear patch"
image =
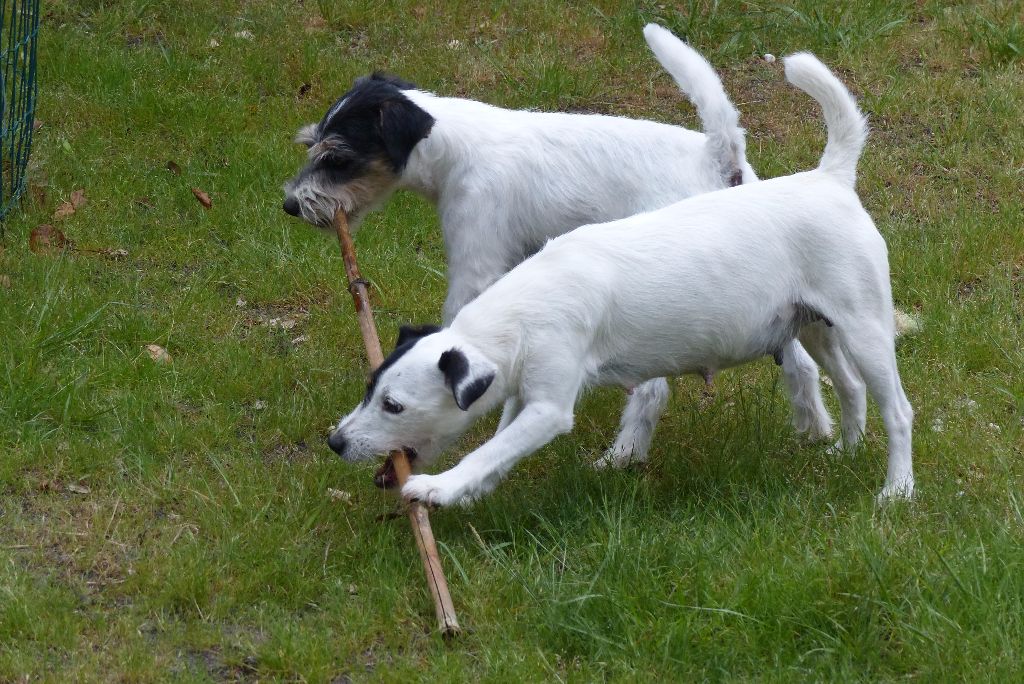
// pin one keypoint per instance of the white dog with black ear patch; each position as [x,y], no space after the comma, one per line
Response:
[505,182]
[708,283]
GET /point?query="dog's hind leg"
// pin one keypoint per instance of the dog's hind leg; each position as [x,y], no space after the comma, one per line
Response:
[636,429]
[823,344]
[871,348]
[804,385]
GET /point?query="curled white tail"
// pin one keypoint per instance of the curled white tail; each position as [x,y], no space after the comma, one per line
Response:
[695,77]
[847,127]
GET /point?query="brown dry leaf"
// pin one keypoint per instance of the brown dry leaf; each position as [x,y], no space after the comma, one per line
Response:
[115,254]
[78,488]
[158,354]
[78,198]
[5,282]
[45,238]
[173,168]
[145,202]
[68,208]
[36,124]
[63,211]
[203,198]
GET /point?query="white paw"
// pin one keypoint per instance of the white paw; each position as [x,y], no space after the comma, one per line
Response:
[435,490]
[617,458]
[900,490]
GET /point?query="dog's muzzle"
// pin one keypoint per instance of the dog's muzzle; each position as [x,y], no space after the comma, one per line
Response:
[291,206]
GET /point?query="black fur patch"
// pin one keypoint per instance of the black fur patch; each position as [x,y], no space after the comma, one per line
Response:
[455,366]
[377,121]
[411,333]
[408,336]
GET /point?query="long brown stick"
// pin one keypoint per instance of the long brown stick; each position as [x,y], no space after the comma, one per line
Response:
[443,606]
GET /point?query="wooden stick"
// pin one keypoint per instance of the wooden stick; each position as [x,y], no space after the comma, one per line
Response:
[443,606]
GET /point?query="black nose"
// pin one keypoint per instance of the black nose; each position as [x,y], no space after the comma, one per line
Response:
[291,206]
[336,441]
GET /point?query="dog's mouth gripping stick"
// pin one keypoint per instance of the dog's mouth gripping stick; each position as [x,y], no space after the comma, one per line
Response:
[443,606]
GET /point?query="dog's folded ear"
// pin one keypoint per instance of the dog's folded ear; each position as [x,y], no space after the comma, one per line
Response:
[402,126]
[410,333]
[467,380]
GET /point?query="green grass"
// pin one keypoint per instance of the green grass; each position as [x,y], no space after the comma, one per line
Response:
[201,543]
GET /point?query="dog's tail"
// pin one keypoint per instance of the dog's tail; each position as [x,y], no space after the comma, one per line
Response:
[695,76]
[847,127]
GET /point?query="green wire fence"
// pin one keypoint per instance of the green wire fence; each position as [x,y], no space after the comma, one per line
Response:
[19,27]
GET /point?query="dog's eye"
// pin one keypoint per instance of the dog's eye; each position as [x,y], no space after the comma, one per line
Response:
[392,406]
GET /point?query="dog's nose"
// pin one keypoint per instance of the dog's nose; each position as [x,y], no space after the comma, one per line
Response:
[291,206]
[336,441]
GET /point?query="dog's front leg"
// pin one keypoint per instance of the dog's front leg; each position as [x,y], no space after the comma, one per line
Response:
[477,253]
[481,470]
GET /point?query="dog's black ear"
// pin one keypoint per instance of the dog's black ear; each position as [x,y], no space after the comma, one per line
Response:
[402,126]
[466,386]
[411,333]
[399,83]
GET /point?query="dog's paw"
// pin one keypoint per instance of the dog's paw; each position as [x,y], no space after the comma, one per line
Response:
[434,490]
[900,490]
[612,459]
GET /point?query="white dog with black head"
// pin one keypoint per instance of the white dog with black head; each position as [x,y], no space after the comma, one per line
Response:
[713,281]
[505,182]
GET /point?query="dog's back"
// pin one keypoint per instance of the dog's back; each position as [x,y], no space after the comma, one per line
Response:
[737,260]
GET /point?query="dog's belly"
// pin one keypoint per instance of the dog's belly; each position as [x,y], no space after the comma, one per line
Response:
[657,353]
[630,371]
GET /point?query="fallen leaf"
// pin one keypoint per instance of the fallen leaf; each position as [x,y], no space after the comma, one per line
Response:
[36,124]
[158,354]
[116,254]
[203,198]
[76,202]
[145,202]
[339,495]
[78,488]
[49,486]
[259,405]
[352,590]
[244,35]
[63,211]
[300,339]
[5,282]
[214,43]
[240,303]
[173,168]
[45,238]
